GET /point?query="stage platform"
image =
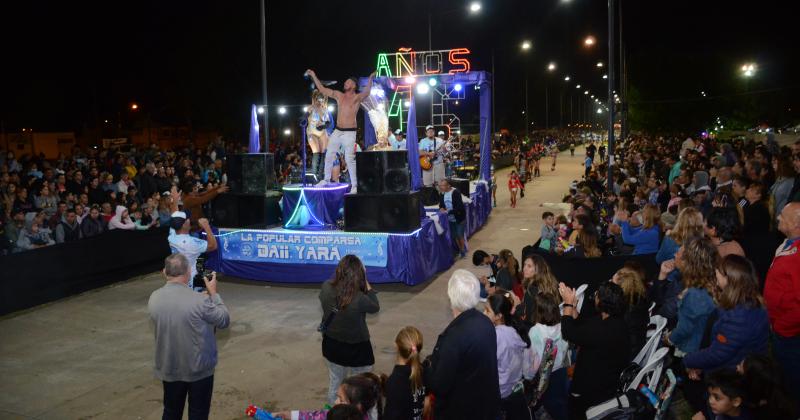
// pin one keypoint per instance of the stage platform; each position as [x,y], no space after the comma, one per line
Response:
[310,256]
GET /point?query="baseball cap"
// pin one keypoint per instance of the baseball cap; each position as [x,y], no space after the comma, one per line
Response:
[398,131]
[441,133]
[428,127]
[177,220]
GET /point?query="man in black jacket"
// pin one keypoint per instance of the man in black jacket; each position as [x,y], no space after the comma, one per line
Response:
[450,203]
[462,370]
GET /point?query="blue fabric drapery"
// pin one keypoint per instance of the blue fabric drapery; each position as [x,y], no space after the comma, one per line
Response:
[486,129]
[254,146]
[411,144]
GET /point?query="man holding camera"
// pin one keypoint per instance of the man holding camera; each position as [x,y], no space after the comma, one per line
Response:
[181,242]
[186,349]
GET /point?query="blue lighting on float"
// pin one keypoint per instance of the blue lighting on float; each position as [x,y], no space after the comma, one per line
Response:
[458,87]
[302,216]
[432,81]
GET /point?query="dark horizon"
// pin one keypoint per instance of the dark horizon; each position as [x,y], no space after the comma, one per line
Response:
[70,66]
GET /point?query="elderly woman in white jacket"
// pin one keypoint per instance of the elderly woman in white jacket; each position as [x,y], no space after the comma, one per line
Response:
[121,220]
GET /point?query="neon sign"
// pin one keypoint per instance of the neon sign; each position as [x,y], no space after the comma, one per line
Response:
[407,62]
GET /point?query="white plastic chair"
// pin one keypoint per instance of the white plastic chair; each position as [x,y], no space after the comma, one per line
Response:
[654,366]
[650,310]
[651,345]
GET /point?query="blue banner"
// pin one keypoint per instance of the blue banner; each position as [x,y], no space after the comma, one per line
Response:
[280,246]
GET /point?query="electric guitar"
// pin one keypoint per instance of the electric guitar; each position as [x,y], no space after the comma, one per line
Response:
[426,162]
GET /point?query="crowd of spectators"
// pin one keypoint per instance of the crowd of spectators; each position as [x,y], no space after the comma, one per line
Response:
[94,190]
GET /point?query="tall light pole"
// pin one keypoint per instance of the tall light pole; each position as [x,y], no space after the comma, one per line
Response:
[526,46]
[611,143]
[264,72]
[550,68]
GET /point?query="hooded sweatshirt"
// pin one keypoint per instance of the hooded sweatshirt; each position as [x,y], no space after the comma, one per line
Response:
[117,222]
[539,334]
[510,358]
[27,238]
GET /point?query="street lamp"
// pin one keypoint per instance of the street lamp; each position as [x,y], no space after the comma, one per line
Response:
[282,110]
[589,41]
[287,132]
[475,7]
[748,69]
[566,78]
[526,45]
[551,66]
[599,64]
[577,86]
[134,107]
[605,76]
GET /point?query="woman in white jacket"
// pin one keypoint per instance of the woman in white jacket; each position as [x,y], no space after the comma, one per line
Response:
[547,319]
[121,220]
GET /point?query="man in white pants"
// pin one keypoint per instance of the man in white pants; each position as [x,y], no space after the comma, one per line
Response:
[429,146]
[344,136]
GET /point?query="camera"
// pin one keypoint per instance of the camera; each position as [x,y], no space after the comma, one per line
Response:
[202,274]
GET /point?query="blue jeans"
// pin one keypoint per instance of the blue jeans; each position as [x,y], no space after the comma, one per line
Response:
[787,352]
[199,393]
[337,374]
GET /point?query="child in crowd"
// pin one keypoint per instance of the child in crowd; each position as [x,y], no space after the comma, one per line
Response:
[549,233]
[405,390]
[726,395]
[766,395]
[547,326]
[362,391]
[484,269]
[512,354]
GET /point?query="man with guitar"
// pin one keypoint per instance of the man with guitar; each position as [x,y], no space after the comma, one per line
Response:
[430,158]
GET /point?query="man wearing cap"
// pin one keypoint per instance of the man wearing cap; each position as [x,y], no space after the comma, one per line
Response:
[180,242]
[429,146]
[344,136]
[399,140]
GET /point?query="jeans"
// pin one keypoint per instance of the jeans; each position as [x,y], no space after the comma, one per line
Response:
[347,141]
[199,399]
[339,373]
[787,353]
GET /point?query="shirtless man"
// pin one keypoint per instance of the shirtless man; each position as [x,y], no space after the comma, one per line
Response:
[345,133]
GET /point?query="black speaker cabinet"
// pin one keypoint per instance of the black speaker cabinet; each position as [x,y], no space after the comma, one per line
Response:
[232,210]
[429,196]
[383,172]
[251,173]
[382,212]
[461,184]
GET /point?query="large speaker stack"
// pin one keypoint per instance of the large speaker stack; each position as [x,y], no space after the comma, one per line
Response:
[384,201]
[251,201]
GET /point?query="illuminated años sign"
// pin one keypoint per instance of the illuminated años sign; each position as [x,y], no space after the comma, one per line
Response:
[407,62]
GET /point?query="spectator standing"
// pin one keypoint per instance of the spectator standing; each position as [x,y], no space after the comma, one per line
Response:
[185,346]
[513,355]
[451,204]
[462,371]
[405,388]
[193,199]
[346,300]
[604,346]
[547,326]
[782,294]
[191,247]
[636,316]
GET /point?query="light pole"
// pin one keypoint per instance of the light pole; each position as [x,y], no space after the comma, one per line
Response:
[611,143]
[264,72]
[550,68]
[526,46]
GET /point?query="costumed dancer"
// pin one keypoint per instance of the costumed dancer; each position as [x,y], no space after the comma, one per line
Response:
[316,132]
[344,136]
[431,161]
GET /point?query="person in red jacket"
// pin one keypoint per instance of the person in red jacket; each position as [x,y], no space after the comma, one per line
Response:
[782,294]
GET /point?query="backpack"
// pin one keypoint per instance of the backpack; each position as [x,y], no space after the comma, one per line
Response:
[535,388]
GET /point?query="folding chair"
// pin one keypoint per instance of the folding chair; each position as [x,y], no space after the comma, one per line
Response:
[652,343]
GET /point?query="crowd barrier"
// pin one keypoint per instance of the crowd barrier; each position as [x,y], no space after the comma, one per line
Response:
[42,275]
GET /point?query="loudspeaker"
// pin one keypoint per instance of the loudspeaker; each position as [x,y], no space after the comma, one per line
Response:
[246,210]
[251,173]
[429,196]
[381,212]
[461,184]
[383,172]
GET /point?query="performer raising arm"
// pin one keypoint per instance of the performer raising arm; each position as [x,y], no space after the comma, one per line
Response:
[345,133]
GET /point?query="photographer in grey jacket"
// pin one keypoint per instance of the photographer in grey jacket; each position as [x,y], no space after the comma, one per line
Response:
[186,349]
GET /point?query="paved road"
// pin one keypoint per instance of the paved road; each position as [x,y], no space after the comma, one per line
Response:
[90,356]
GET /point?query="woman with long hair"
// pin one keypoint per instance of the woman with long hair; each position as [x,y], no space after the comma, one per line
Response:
[644,236]
[405,389]
[636,317]
[514,186]
[536,278]
[586,245]
[507,274]
[317,134]
[742,326]
[512,342]
[346,300]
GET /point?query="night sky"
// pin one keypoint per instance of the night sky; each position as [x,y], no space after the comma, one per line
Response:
[71,65]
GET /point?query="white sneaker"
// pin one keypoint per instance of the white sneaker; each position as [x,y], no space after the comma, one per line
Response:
[353,190]
[322,183]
